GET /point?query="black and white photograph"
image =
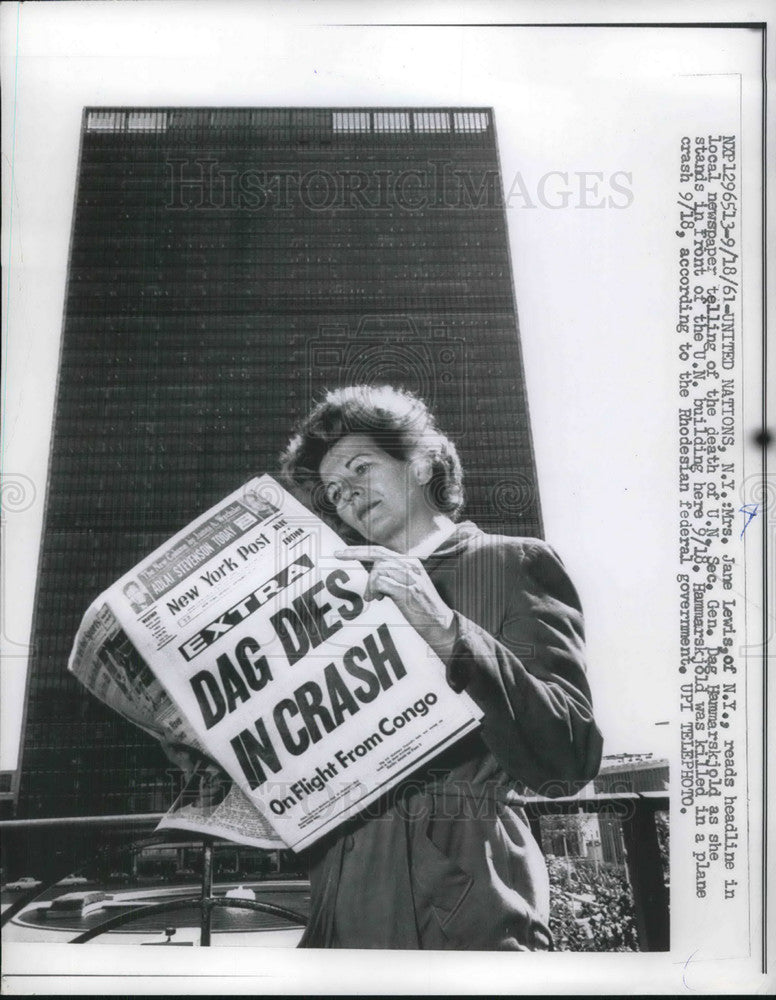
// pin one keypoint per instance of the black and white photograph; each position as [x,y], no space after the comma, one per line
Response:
[386,519]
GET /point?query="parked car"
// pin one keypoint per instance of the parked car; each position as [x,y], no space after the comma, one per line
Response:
[25,882]
[73,880]
[184,874]
[77,904]
[119,876]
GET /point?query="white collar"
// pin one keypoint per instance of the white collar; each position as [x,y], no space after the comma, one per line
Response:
[432,542]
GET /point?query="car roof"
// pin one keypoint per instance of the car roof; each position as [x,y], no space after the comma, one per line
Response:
[81,895]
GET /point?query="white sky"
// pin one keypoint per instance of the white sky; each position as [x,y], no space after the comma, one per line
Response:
[593,285]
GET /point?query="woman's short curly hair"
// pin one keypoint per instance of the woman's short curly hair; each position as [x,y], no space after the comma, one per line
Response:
[396,420]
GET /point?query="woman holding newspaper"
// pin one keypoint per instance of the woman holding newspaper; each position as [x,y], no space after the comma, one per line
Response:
[447,860]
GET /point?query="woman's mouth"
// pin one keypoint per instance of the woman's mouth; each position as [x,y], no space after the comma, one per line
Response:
[367,508]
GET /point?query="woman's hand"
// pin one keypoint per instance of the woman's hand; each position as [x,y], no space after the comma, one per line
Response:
[405,580]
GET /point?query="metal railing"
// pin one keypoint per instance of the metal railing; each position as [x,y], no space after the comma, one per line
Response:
[635,811]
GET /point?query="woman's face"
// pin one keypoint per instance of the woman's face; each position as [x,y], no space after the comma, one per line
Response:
[380,496]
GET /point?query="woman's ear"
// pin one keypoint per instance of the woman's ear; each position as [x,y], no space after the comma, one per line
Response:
[422,468]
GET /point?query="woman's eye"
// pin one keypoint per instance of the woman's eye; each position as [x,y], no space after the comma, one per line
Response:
[333,495]
[361,468]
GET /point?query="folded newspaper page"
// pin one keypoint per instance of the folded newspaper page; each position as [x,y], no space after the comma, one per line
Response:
[212,804]
[245,639]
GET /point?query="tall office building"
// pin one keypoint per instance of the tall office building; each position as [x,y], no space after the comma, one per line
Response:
[225,266]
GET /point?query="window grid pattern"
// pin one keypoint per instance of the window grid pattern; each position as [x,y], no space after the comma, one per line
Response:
[280,120]
[351,121]
[391,121]
[431,121]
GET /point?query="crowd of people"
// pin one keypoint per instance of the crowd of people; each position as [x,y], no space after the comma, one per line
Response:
[591,906]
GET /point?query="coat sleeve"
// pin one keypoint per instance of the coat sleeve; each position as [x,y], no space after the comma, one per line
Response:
[529,678]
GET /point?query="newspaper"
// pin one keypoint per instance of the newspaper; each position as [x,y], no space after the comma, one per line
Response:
[245,639]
